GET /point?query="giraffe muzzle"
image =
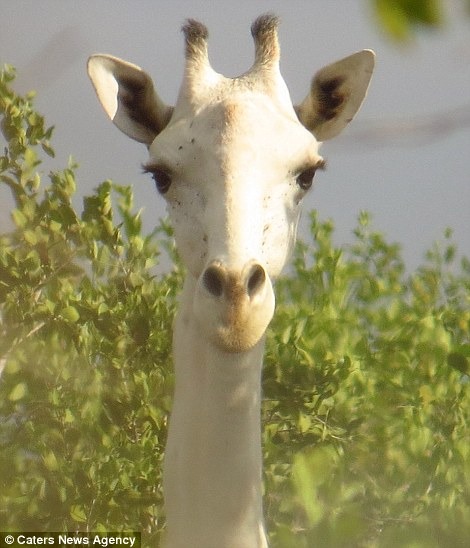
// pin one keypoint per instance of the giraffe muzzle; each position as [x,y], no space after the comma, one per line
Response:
[235,306]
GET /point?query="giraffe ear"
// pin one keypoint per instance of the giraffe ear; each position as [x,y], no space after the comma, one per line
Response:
[336,94]
[128,96]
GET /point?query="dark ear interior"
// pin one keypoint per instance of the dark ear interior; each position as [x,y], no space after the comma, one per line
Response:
[128,96]
[336,94]
[329,97]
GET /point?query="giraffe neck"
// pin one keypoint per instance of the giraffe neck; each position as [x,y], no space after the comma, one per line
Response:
[212,474]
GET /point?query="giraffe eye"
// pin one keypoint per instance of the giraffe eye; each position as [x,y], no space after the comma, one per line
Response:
[305,179]
[162,180]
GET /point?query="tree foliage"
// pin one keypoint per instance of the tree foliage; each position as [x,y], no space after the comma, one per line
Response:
[85,344]
[368,372]
[366,382]
[401,18]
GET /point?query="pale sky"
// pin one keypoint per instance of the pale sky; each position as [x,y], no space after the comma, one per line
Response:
[415,184]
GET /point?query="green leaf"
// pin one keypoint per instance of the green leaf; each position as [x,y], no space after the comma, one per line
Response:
[19,218]
[69,418]
[50,461]
[30,158]
[70,313]
[30,237]
[102,308]
[18,392]
[77,513]
[459,362]
[48,149]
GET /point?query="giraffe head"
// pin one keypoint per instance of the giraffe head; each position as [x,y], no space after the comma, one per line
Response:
[233,159]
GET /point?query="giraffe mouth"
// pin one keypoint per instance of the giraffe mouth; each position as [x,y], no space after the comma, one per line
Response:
[241,331]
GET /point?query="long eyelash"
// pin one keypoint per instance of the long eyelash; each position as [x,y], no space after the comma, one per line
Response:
[321,165]
[149,168]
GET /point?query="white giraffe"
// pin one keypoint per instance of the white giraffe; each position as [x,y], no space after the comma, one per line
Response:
[233,159]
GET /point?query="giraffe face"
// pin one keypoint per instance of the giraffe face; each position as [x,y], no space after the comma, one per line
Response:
[233,176]
[233,159]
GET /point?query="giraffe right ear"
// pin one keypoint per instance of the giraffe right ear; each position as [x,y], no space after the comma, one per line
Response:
[336,94]
[128,96]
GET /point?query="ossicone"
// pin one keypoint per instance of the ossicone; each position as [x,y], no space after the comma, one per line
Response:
[196,35]
[264,32]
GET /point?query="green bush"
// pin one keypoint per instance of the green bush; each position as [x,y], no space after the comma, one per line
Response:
[368,403]
[85,343]
[366,382]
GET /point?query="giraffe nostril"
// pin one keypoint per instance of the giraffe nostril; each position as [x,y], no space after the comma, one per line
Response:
[256,279]
[214,280]
[219,282]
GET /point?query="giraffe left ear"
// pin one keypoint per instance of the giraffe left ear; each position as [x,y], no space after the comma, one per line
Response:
[336,94]
[128,96]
